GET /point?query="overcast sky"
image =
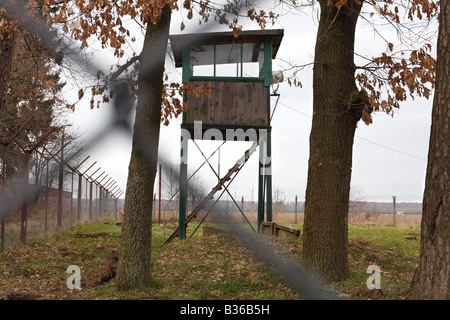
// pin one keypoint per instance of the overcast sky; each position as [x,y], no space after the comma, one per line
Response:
[389,156]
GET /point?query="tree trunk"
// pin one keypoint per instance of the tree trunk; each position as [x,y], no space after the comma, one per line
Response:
[337,107]
[7,45]
[134,268]
[432,278]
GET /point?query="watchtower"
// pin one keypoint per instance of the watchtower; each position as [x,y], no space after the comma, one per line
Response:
[238,72]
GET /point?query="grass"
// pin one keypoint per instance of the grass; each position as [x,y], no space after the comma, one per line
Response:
[210,268]
[395,250]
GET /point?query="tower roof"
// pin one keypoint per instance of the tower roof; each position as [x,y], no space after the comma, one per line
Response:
[181,41]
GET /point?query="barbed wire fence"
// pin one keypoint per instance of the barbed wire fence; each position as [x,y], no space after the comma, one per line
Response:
[64,193]
[87,194]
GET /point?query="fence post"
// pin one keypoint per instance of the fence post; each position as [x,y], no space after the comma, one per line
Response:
[242,208]
[106,199]
[394,210]
[80,185]
[90,201]
[86,208]
[154,207]
[104,202]
[71,202]
[98,194]
[115,209]
[100,202]
[159,203]
[296,207]
[107,202]
[61,183]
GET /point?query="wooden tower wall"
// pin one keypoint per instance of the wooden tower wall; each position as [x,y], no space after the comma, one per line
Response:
[241,103]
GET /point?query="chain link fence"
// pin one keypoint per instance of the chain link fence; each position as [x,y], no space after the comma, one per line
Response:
[78,192]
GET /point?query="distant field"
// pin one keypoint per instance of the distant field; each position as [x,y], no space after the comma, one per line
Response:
[353,219]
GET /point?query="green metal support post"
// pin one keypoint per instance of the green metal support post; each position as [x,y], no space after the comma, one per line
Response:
[183,185]
[261,185]
[268,173]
